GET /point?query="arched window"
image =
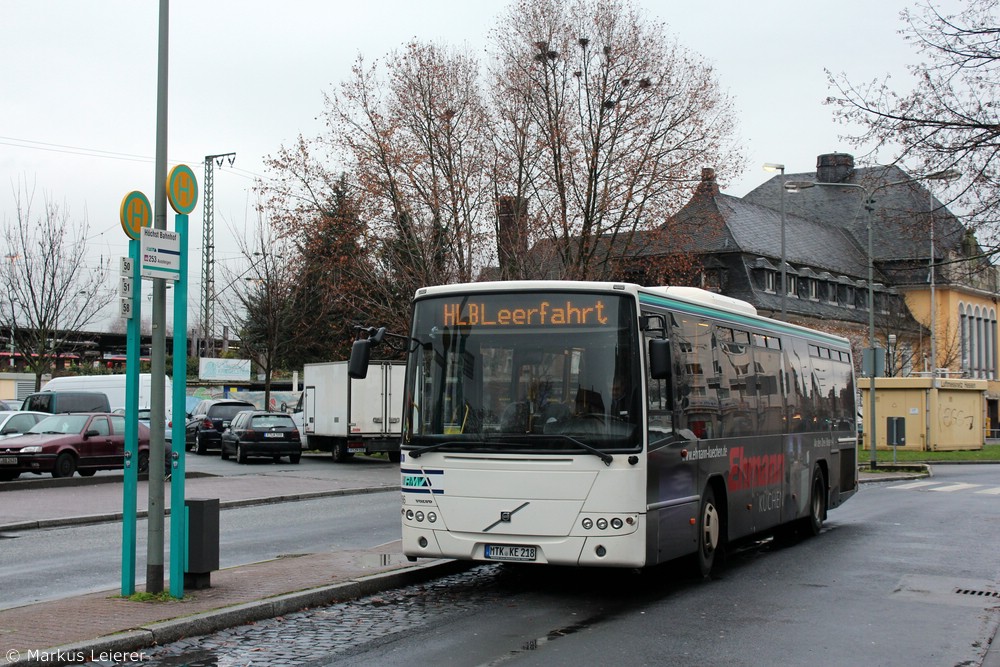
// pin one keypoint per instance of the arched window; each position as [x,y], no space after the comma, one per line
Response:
[977,336]
[964,342]
[991,345]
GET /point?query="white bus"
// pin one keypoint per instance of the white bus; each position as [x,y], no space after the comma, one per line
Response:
[608,424]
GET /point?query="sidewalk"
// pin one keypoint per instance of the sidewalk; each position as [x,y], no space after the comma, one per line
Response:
[60,631]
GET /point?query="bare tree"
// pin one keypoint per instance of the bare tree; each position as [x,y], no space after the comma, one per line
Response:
[602,123]
[545,167]
[263,310]
[53,286]
[949,119]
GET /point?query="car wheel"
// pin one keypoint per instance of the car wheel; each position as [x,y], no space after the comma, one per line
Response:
[65,465]
[241,454]
[199,444]
[295,458]
[9,476]
[223,453]
[340,453]
[144,461]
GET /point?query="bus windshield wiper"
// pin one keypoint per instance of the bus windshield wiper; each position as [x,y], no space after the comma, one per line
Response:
[604,456]
[415,453]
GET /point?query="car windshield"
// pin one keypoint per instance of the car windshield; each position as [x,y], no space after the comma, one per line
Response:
[271,421]
[538,371]
[60,424]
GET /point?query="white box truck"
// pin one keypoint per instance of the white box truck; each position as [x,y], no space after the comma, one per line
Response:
[347,417]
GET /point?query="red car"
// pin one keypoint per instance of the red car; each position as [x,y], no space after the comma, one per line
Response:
[69,443]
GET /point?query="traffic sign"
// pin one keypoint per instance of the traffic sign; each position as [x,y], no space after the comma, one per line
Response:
[125,286]
[125,266]
[160,251]
[125,307]
[182,189]
[135,213]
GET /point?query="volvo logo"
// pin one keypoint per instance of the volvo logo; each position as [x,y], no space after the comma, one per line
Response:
[505,516]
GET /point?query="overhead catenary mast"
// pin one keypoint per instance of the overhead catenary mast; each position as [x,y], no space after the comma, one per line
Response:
[208,255]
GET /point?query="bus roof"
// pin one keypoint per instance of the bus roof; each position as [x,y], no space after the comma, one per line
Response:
[689,299]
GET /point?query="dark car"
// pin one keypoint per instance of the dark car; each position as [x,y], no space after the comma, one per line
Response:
[256,433]
[208,420]
[55,402]
[68,443]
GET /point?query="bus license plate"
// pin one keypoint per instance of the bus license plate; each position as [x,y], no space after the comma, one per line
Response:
[8,460]
[509,552]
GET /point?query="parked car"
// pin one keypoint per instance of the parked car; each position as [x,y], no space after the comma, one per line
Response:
[257,433]
[65,444]
[208,420]
[11,404]
[15,422]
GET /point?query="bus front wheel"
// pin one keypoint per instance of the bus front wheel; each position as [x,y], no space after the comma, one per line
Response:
[709,533]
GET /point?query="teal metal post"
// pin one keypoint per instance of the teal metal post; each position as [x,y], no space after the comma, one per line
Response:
[178,509]
[131,482]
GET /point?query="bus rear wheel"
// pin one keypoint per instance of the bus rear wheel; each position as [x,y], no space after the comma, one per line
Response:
[813,524]
[709,533]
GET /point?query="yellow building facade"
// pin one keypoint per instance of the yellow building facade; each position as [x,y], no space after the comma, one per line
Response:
[938,414]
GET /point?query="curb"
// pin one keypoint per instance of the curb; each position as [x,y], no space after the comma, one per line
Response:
[172,630]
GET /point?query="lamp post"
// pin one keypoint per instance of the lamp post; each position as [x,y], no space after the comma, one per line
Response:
[795,186]
[771,166]
[947,175]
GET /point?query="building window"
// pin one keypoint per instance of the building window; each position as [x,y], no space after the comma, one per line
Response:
[814,290]
[793,285]
[769,281]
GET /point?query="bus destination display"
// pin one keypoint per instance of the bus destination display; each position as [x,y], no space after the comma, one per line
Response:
[559,311]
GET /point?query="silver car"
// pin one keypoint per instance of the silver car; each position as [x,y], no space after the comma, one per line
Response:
[15,422]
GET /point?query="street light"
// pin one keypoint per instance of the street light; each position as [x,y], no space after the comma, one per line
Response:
[946,175]
[795,186]
[771,166]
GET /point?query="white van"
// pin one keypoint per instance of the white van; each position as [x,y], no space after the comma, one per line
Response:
[114,387]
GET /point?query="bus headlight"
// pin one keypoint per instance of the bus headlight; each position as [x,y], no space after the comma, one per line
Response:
[616,523]
[602,524]
[588,523]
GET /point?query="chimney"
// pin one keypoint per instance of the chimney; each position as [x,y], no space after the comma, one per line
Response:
[708,186]
[834,167]
[512,237]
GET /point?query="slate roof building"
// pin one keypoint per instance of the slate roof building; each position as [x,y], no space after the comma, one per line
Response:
[739,248]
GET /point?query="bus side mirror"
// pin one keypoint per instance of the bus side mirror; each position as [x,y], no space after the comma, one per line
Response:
[361,352]
[659,359]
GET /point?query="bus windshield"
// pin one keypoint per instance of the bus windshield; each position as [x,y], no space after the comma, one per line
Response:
[537,372]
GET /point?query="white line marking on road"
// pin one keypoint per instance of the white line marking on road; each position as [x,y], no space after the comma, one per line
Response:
[995,491]
[913,485]
[959,486]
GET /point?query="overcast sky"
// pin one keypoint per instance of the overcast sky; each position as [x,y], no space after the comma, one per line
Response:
[78,100]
